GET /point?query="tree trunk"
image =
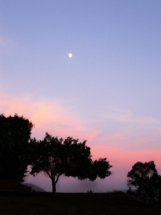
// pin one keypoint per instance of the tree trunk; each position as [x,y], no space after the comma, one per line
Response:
[53,186]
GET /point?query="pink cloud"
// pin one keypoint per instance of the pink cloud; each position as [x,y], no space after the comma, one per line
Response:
[47,116]
[115,137]
[130,117]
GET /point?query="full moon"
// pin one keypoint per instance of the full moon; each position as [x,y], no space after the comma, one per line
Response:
[70,55]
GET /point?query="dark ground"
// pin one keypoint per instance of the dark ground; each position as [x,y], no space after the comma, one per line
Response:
[16,199]
[80,204]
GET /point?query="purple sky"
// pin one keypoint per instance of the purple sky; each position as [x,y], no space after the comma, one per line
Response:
[108,93]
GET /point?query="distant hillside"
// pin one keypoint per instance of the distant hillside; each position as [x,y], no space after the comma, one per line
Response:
[13,186]
[34,187]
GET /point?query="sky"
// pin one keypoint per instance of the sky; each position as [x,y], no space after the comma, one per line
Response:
[108,93]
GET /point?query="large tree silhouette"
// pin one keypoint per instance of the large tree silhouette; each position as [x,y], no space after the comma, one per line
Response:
[67,157]
[14,136]
[143,179]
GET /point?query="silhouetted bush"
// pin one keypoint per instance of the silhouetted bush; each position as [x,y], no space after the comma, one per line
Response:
[144,182]
[15,134]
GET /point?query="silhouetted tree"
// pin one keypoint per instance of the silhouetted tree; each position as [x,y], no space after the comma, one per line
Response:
[67,157]
[14,137]
[143,179]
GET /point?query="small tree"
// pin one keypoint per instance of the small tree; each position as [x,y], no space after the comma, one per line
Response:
[15,133]
[67,157]
[143,179]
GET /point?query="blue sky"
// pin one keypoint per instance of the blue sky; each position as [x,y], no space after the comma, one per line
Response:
[110,88]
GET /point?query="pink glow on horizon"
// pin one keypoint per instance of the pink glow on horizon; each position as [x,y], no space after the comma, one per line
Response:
[54,118]
[123,158]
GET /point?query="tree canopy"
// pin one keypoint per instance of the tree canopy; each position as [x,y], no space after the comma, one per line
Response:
[57,156]
[143,179]
[15,134]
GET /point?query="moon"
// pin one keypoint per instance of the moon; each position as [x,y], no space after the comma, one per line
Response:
[70,55]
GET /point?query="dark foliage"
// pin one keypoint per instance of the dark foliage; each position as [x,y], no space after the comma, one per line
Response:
[67,157]
[14,137]
[144,181]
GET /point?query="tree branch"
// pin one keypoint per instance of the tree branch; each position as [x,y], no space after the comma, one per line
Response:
[57,178]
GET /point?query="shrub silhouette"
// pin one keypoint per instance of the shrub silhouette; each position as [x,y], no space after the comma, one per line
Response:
[14,137]
[143,180]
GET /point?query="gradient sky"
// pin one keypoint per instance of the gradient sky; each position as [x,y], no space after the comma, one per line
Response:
[108,93]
